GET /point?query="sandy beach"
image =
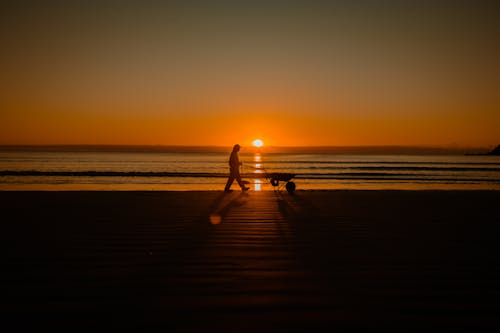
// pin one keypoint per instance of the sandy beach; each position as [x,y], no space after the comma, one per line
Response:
[210,261]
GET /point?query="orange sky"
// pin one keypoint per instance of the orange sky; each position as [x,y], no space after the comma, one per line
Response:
[307,73]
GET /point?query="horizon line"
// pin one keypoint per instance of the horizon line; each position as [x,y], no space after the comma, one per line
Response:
[450,146]
[378,149]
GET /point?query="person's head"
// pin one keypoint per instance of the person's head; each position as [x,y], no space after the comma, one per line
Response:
[236,147]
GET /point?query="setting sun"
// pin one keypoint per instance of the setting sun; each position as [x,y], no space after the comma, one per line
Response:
[257,143]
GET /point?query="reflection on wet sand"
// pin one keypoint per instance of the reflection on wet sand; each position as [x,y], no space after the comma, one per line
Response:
[215,219]
[224,204]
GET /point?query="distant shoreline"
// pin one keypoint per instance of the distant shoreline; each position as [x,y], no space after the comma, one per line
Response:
[375,150]
[494,152]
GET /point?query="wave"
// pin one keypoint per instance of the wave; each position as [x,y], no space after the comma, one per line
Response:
[394,168]
[360,176]
[111,174]
[394,177]
[383,162]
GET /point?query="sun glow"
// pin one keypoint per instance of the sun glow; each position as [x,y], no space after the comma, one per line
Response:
[257,143]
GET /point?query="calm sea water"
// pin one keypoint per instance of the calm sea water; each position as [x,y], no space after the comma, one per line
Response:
[208,171]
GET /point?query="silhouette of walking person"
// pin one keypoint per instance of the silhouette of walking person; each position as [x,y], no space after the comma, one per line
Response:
[234,170]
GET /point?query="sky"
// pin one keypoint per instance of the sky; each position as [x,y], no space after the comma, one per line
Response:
[292,73]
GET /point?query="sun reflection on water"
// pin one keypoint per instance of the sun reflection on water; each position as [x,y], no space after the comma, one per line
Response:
[258,169]
[257,185]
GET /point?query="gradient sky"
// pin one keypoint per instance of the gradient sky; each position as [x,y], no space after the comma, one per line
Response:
[220,72]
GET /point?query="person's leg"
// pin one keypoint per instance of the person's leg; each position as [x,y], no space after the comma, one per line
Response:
[240,182]
[229,182]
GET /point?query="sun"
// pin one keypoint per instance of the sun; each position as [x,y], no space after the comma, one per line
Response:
[257,143]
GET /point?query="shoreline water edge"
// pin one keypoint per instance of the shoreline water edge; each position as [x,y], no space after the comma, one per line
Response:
[160,171]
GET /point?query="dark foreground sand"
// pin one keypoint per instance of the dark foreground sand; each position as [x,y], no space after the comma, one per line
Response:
[315,261]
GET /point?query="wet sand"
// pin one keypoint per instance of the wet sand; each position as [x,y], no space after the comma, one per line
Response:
[209,261]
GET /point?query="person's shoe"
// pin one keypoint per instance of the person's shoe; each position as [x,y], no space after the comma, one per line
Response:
[228,191]
[244,188]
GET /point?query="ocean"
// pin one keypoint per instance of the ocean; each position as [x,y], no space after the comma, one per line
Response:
[174,171]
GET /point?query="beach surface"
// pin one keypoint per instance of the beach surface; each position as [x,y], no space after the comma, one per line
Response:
[267,261]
